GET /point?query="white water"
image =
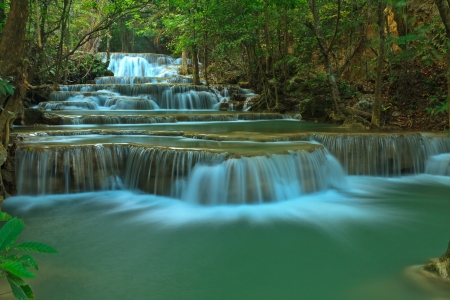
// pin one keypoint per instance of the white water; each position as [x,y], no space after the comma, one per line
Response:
[149,76]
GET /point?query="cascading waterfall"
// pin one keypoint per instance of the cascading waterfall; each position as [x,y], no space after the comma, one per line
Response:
[381,155]
[261,179]
[438,165]
[151,82]
[133,64]
[166,96]
[103,167]
[83,105]
[145,75]
[131,103]
[199,176]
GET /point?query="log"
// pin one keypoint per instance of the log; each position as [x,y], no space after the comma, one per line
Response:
[354,111]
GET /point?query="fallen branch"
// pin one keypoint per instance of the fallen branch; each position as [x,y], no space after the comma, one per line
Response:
[354,111]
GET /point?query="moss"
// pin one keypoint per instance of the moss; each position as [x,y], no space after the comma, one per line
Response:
[440,266]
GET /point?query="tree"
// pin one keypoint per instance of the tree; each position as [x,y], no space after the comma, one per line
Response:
[12,67]
[444,12]
[376,110]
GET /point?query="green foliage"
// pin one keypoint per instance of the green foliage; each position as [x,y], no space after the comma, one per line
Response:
[6,88]
[85,67]
[439,106]
[14,266]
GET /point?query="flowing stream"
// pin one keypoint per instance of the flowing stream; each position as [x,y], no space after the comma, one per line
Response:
[148,191]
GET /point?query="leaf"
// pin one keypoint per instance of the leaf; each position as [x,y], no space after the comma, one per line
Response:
[16,279]
[35,247]
[18,293]
[10,232]
[16,268]
[28,291]
[4,216]
[2,90]
[10,89]
[28,261]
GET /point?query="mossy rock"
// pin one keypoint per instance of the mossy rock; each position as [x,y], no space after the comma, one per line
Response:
[440,266]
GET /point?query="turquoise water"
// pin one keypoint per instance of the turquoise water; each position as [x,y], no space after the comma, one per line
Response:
[352,244]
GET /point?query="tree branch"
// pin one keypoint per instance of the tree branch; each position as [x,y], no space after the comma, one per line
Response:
[336,28]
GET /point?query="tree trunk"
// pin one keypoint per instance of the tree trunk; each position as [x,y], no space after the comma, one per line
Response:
[184,63]
[376,109]
[13,38]
[444,12]
[11,64]
[332,83]
[40,45]
[325,49]
[205,58]
[64,18]
[270,65]
[108,47]
[195,74]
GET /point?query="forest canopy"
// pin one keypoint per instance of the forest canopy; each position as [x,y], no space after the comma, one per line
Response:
[322,52]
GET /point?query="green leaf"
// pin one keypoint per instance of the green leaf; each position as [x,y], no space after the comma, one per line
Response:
[16,279]
[29,261]
[10,232]
[4,216]
[16,268]
[35,247]
[10,89]
[3,90]
[28,291]
[18,293]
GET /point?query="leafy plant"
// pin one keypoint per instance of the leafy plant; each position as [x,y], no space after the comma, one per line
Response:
[439,106]
[15,266]
[6,88]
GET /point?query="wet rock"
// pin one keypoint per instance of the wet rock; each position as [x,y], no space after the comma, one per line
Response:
[440,266]
[33,116]
[8,170]
[244,85]
[364,104]
[354,121]
[40,94]
[224,106]
[239,97]
[109,73]
[432,277]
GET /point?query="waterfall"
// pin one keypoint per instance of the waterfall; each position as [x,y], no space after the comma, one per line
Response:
[131,103]
[208,177]
[83,105]
[166,96]
[151,76]
[382,155]
[261,179]
[54,170]
[133,64]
